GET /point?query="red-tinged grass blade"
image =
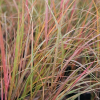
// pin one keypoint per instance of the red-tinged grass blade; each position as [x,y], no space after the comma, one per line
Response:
[61,4]
[66,3]
[4,63]
[61,7]
[1,90]
[27,5]
[46,22]
[72,12]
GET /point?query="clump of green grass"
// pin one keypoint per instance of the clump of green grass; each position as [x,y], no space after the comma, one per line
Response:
[40,39]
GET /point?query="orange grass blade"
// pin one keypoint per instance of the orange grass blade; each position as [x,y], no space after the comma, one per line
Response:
[46,22]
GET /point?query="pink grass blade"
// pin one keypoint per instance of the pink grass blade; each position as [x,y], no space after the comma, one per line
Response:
[72,12]
[1,90]
[66,3]
[61,7]
[61,4]
[4,63]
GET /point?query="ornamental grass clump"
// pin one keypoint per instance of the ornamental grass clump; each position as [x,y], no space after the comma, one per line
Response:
[49,49]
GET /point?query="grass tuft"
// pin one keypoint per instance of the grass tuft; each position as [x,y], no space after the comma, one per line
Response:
[49,49]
